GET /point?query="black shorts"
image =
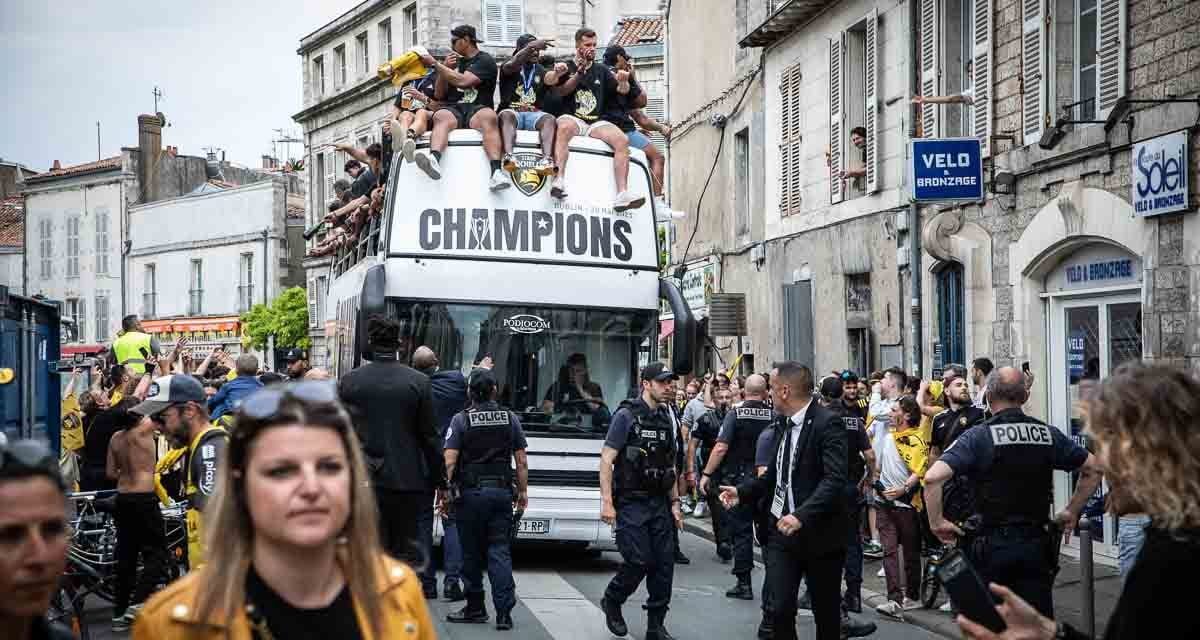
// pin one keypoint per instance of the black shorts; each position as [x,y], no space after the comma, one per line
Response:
[464,111]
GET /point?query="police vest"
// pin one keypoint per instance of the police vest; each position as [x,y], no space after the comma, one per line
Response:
[751,418]
[646,464]
[708,427]
[855,420]
[487,449]
[129,347]
[1016,488]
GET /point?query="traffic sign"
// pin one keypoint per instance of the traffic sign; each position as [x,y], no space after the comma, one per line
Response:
[946,169]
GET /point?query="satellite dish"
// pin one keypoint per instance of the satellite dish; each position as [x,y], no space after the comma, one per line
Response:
[162,119]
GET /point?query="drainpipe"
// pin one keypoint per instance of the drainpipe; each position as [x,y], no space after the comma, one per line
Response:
[914,212]
[25,245]
[266,262]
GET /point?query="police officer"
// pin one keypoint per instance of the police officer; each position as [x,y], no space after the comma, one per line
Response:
[704,436]
[640,499]
[481,443]
[1011,459]
[734,457]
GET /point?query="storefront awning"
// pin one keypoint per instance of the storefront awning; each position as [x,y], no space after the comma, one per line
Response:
[192,325]
[82,349]
[665,329]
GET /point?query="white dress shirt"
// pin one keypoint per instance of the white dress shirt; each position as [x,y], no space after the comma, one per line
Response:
[797,421]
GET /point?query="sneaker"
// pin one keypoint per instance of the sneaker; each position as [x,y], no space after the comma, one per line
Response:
[852,628]
[882,572]
[504,621]
[468,615]
[909,605]
[453,591]
[680,558]
[428,163]
[627,200]
[546,167]
[873,549]
[125,621]
[946,608]
[509,163]
[409,149]
[700,510]
[557,191]
[892,609]
[499,181]
[804,602]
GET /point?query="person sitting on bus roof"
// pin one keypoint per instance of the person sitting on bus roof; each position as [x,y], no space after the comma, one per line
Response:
[589,88]
[626,110]
[411,114]
[573,387]
[521,90]
[466,83]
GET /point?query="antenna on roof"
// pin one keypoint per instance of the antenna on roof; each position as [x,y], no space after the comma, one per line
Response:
[157,94]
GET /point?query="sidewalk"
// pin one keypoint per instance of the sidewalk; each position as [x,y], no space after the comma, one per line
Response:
[1067,596]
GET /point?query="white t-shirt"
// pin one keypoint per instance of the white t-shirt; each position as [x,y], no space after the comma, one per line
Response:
[893,472]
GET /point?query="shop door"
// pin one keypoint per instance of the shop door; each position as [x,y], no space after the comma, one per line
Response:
[1089,337]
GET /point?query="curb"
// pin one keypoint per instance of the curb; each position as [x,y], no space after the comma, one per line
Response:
[930,621]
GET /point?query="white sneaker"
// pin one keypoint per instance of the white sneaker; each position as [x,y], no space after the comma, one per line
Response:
[909,605]
[409,149]
[430,165]
[946,608]
[891,608]
[626,200]
[882,573]
[499,181]
[699,510]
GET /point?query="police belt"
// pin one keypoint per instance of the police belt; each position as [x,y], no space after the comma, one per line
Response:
[1019,529]
[489,482]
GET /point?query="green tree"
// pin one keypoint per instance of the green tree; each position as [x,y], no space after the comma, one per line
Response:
[286,318]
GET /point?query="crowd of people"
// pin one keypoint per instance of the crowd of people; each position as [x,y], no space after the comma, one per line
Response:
[322,496]
[530,91]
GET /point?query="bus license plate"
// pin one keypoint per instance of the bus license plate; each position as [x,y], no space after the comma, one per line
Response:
[534,526]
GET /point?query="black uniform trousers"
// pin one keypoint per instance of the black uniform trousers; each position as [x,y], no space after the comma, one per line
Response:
[854,548]
[484,519]
[738,523]
[140,531]
[1018,558]
[400,521]
[788,562]
[646,539]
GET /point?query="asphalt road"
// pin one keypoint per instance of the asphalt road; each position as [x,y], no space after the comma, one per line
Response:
[559,598]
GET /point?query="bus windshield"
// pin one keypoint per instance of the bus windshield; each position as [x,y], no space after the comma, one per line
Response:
[563,370]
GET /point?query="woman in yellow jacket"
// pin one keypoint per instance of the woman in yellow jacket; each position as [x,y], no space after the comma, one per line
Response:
[293,546]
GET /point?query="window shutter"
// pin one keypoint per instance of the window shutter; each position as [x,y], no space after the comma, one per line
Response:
[656,109]
[982,70]
[1110,55]
[312,303]
[493,20]
[871,85]
[514,20]
[792,141]
[930,48]
[837,187]
[1033,64]
[786,109]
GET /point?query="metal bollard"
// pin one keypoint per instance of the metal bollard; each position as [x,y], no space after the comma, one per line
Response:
[1086,577]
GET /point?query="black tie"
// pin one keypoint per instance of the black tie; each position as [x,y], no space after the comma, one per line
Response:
[786,472]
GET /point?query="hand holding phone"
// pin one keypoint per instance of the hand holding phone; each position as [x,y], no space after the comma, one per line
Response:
[968,593]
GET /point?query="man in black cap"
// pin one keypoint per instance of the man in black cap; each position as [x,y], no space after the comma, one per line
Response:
[521,92]
[297,363]
[639,497]
[465,87]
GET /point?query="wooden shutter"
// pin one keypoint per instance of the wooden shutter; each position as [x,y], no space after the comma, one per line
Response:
[1033,65]
[656,108]
[493,21]
[313,322]
[837,188]
[871,86]
[982,70]
[930,48]
[1110,55]
[789,141]
[514,20]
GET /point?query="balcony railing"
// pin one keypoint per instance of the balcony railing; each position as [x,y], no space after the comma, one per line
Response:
[367,244]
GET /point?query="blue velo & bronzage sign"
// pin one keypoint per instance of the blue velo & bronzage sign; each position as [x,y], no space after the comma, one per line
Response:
[946,169]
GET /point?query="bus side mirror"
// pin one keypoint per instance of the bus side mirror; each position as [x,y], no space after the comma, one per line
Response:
[683,343]
[371,301]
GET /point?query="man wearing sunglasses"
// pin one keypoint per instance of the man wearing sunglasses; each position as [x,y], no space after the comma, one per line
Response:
[178,404]
[33,539]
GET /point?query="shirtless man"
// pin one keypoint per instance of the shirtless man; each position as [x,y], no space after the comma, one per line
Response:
[131,459]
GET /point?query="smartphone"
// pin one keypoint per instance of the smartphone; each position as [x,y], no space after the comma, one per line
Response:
[967,591]
[1025,367]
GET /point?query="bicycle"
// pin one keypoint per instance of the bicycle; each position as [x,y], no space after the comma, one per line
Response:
[931,586]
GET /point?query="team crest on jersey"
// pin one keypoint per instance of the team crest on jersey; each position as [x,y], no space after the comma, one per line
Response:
[469,95]
[585,102]
[526,178]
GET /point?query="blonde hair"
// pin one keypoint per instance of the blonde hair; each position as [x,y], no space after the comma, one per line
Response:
[229,534]
[1146,416]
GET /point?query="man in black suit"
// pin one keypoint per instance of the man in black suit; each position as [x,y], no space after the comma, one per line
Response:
[806,486]
[392,409]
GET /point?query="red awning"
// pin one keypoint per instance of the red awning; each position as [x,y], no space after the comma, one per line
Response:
[156,326]
[191,325]
[84,349]
[665,329]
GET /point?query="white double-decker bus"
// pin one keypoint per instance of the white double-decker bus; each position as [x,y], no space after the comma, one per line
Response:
[533,282]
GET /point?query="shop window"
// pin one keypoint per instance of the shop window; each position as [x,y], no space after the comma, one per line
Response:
[951,314]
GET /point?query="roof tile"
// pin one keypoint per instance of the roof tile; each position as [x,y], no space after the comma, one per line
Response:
[635,30]
[87,167]
[12,222]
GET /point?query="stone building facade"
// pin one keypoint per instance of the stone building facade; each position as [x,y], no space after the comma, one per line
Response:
[344,102]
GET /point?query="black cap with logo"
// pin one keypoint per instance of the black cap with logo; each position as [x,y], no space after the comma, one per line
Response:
[295,354]
[658,371]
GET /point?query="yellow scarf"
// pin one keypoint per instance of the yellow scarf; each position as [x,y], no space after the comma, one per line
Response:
[913,445]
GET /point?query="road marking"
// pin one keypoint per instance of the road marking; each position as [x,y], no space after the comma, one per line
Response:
[561,608]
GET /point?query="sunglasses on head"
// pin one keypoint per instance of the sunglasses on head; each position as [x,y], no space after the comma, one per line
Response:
[264,405]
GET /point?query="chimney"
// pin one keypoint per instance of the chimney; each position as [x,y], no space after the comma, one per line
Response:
[268,162]
[150,146]
[56,166]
